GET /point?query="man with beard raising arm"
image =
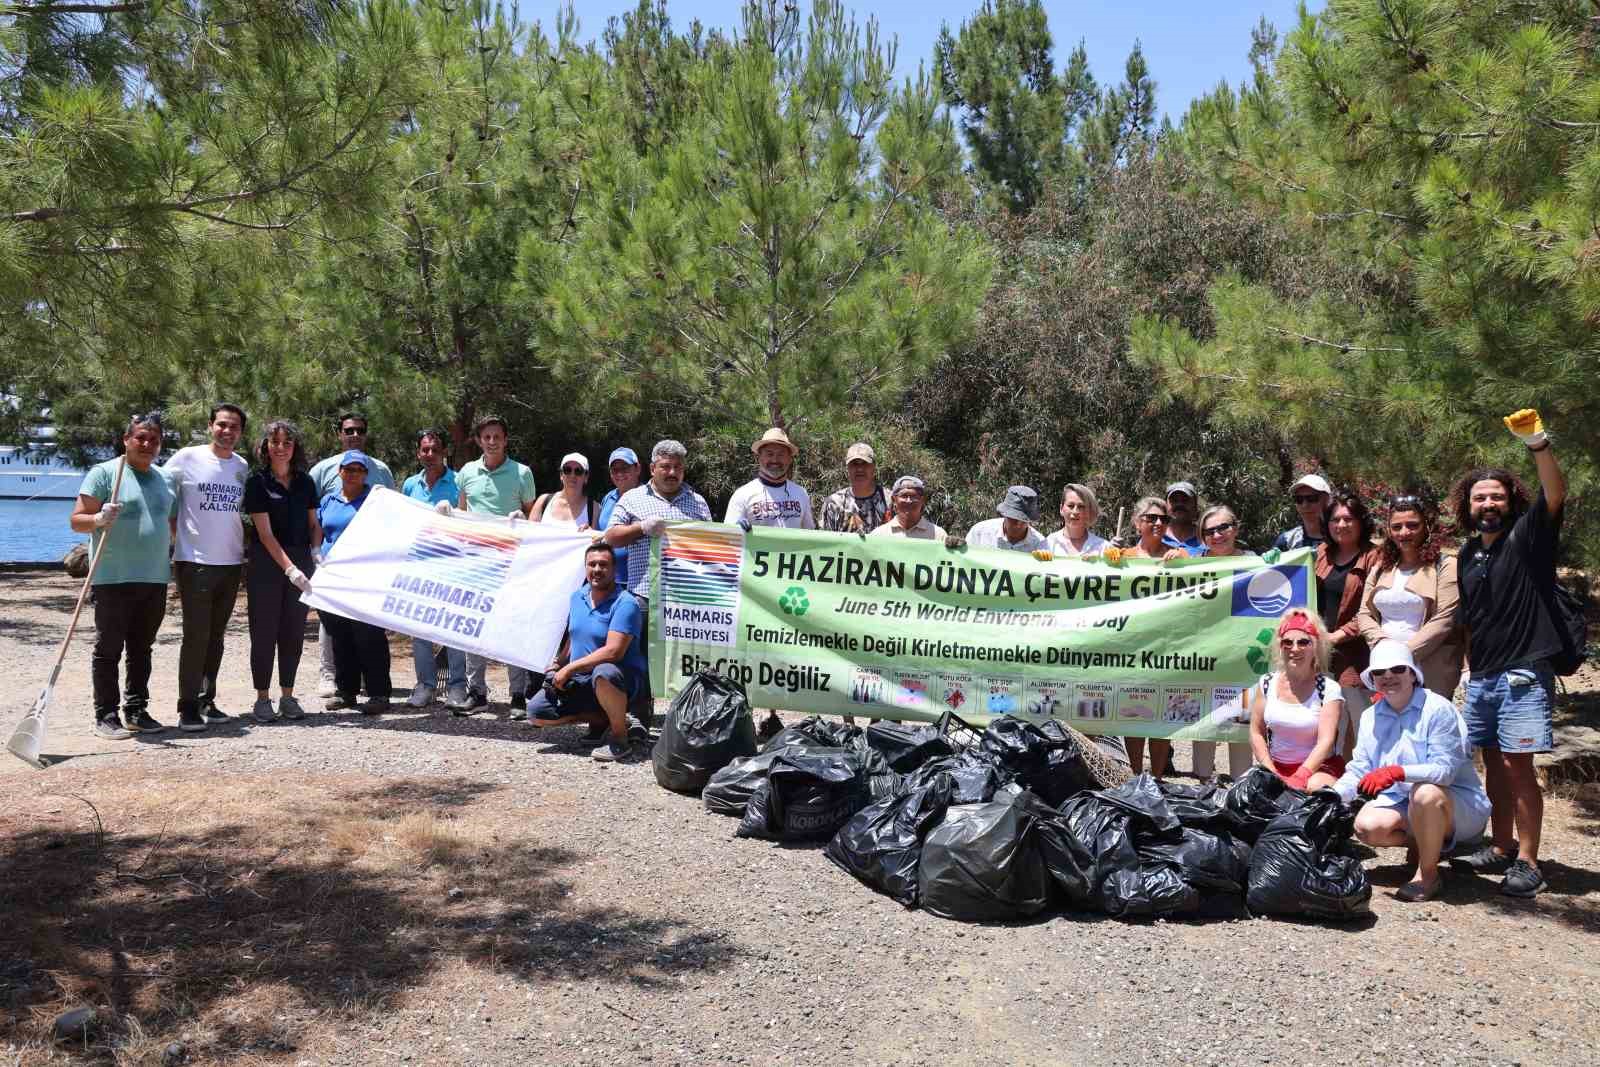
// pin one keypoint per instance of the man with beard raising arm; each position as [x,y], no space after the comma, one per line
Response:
[1507,575]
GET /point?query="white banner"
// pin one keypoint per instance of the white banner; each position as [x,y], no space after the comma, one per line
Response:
[480,584]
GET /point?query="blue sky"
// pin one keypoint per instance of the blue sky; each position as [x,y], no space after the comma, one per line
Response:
[1189,45]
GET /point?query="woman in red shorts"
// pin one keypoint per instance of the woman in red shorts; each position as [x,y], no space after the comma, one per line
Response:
[1296,711]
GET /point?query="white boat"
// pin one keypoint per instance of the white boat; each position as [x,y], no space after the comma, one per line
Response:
[38,473]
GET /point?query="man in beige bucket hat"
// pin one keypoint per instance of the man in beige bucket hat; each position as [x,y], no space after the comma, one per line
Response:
[771,498]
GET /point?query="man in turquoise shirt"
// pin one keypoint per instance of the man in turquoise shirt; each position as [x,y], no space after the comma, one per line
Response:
[494,485]
[435,484]
[133,538]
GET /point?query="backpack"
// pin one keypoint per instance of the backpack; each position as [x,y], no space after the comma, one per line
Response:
[1571,612]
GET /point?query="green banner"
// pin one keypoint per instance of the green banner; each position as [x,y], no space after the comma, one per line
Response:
[884,627]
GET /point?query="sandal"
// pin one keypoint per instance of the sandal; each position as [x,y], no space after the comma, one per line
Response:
[1417,893]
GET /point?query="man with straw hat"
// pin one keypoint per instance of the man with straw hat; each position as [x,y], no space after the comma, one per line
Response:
[132,532]
[771,498]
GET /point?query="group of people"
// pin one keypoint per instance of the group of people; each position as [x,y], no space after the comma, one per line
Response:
[1357,701]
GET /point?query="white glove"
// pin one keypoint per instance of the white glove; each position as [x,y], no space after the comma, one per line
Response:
[443,507]
[316,557]
[515,515]
[106,515]
[652,525]
[298,579]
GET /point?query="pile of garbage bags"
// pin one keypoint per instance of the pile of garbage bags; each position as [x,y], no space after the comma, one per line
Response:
[1024,822]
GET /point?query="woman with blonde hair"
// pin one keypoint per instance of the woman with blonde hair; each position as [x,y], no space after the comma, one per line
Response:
[1296,709]
[1150,518]
[1219,532]
[1079,511]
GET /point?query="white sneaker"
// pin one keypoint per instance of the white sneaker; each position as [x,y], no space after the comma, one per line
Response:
[325,686]
[421,696]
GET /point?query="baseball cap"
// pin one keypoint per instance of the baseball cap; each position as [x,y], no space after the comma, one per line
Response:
[355,458]
[1187,488]
[626,454]
[576,457]
[860,450]
[1313,481]
[1020,503]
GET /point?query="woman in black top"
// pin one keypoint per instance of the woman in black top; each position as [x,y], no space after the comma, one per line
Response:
[281,500]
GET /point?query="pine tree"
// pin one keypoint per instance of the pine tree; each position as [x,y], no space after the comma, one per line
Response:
[783,260]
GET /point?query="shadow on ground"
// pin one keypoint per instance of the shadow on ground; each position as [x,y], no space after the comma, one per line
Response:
[245,930]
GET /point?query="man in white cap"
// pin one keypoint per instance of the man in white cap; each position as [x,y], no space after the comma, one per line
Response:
[1013,530]
[1312,496]
[1412,764]
[910,497]
[863,505]
[771,498]
[1183,508]
[625,474]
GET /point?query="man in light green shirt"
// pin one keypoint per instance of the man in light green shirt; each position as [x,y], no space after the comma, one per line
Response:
[132,538]
[496,484]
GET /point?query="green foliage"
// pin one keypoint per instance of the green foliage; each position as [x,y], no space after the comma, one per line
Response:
[781,258]
[1448,151]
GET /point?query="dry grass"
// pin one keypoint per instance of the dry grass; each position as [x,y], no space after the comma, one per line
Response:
[248,915]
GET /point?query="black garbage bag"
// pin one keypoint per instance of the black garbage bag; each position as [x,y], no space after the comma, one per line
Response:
[1210,862]
[1040,754]
[983,863]
[1258,797]
[707,726]
[1199,807]
[807,796]
[882,844]
[814,730]
[976,776]
[908,746]
[1298,866]
[729,790]
[1095,850]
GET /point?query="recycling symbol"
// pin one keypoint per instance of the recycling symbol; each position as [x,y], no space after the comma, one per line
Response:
[1257,656]
[793,601]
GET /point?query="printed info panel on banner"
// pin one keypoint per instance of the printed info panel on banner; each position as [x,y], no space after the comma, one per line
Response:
[480,584]
[840,624]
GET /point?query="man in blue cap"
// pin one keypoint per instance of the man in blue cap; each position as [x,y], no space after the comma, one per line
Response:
[625,475]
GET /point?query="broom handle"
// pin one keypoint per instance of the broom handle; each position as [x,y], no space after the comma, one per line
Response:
[94,562]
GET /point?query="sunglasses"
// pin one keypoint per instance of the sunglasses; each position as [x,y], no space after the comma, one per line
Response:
[1407,501]
[1295,642]
[352,431]
[573,470]
[1154,520]
[1219,529]
[1302,498]
[1384,672]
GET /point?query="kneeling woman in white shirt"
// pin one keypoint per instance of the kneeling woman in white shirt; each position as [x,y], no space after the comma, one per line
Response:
[1411,762]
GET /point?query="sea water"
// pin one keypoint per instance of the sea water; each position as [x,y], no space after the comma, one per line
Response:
[36,531]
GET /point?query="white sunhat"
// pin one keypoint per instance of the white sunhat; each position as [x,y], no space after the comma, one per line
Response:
[1315,482]
[1390,653]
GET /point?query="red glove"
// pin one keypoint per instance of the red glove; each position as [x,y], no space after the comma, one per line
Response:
[1298,780]
[1375,782]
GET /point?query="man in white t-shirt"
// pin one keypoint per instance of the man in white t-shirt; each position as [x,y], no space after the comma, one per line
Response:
[1013,530]
[771,499]
[208,524]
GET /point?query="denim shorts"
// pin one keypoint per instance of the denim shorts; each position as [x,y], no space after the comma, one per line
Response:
[1510,710]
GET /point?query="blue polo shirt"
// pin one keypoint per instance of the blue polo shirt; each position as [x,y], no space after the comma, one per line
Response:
[608,504]
[335,513]
[1193,547]
[444,489]
[588,624]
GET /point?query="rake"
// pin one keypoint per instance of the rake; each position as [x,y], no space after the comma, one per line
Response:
[29,734]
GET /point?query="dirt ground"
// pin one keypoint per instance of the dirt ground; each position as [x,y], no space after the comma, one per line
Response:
[420,889]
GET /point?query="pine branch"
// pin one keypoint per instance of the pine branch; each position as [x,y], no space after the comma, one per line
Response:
[46,7]
[1342,346]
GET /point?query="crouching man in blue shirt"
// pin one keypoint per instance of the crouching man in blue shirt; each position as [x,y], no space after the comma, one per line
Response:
[1412,765]
[601,664]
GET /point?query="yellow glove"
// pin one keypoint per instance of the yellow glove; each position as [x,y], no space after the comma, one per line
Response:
[1527,425]
[1043,555]
[1113,555]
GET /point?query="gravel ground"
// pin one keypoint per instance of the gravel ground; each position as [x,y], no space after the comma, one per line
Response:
[660,938]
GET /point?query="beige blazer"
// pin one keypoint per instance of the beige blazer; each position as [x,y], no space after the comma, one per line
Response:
[1440,646]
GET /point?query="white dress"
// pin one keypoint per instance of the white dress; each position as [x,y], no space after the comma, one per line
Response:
[1400,609]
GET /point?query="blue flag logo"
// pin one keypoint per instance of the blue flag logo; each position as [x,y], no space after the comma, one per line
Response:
[1269,592]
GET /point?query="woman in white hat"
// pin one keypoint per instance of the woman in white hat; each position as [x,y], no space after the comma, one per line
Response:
[571,506]
[1412,764]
